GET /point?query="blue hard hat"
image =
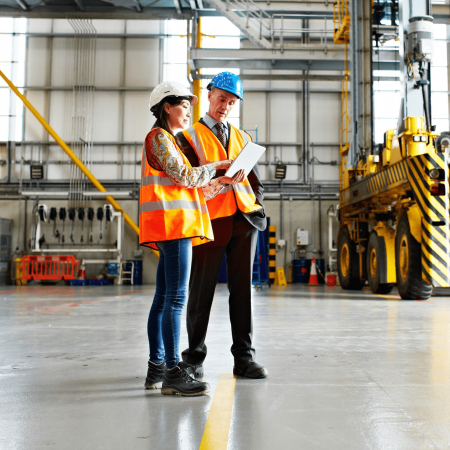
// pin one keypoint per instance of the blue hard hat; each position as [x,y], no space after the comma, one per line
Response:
[228,82]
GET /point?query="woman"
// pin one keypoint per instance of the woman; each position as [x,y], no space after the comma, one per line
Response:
[173,217]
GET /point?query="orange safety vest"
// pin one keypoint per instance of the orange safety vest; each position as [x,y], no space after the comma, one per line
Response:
[209,149]
[168,212]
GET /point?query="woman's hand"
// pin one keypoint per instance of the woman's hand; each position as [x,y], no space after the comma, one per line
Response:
[225,164]
[238,178]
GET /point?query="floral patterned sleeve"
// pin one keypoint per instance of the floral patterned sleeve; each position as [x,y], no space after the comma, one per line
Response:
[161,152]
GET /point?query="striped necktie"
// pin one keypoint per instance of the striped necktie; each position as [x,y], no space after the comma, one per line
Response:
[221,134]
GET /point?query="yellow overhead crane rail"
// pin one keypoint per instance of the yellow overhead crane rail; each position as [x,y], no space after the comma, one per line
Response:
[72,155]
[341,35]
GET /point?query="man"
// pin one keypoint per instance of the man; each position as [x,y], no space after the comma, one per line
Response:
[237,213]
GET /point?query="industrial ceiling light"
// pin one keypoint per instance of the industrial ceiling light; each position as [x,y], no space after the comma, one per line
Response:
[103,194]
[280,171]
[43,194]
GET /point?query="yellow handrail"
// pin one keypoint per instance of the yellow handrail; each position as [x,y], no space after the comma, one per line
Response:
[341,21]
[71,155]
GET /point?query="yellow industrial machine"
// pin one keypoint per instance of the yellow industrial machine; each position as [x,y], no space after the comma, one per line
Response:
[394,200]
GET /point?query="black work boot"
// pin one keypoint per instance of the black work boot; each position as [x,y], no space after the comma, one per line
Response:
[178,380]
[155,375]
[250,369]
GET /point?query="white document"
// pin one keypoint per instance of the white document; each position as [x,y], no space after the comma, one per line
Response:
[246,160]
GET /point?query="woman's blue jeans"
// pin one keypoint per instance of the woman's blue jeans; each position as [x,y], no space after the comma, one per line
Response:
[172,286]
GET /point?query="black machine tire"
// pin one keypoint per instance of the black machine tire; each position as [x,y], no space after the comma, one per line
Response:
[348,262]
[373,263]
[408,262]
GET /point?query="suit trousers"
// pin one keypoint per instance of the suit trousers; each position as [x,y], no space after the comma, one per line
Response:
[206,261]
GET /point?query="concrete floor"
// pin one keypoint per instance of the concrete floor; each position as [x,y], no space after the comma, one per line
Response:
[348,370]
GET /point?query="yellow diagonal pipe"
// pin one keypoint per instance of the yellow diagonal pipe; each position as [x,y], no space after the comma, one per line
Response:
[72,155]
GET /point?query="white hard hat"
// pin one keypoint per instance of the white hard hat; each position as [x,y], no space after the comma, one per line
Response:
[168,88]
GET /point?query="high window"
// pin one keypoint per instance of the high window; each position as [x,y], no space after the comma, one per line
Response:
[175,52]
[218,32]
[439,80]
[12,64]
[386,94]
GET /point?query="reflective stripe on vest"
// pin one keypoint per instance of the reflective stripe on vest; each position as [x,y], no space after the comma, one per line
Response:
[208,149]
[244,188]
[197,146]
[167,211]
[164,205]
[156,179]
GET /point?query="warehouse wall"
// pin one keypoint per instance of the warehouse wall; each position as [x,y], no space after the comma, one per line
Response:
[305,215]
[121,115]
[280,122]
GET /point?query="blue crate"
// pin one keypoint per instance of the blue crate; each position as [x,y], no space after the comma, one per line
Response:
[78,282]
[113,268]
[103,282]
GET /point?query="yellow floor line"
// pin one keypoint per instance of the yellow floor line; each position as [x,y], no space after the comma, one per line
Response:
[215,436]
[390,297]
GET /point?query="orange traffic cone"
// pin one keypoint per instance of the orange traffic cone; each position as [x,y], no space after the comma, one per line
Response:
[313,280]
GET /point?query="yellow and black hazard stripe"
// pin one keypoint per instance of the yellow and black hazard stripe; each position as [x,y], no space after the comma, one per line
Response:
[272,253]
[435,213]
[383,181]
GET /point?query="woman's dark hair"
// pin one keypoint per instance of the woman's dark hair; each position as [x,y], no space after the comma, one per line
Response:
[160,114]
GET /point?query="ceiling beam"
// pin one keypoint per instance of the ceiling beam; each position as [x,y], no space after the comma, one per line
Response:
[80,4]
[307,58]
[284,77]
[22,4]
[138,5]
[56,12]
[177,4]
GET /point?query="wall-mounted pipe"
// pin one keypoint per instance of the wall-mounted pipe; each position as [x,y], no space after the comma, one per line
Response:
[304,131]
[71,155]
[197,84]
[291,238]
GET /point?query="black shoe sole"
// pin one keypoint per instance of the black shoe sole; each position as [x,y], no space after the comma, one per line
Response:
[176,391]
[259,375]
[156,385]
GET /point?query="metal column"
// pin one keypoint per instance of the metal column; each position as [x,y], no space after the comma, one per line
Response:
[360,80]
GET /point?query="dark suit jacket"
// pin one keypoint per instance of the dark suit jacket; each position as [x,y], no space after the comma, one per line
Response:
[222,226]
